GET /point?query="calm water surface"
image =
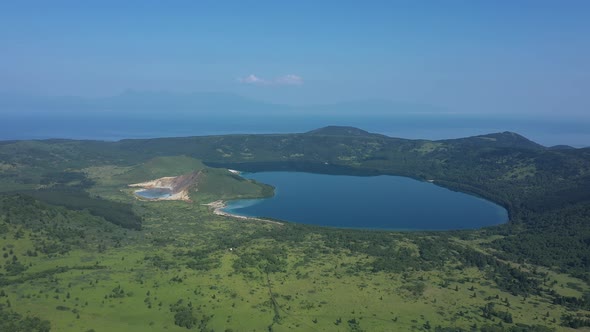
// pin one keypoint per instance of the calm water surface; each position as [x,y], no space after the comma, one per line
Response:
[379,202]
[154,193]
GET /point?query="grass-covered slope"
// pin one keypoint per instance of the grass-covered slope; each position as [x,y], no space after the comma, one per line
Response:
[536,184]
[159,167]
[72,267]
[220,184]
[211,183]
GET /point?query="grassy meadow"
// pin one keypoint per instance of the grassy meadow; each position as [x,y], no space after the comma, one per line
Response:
[188,268]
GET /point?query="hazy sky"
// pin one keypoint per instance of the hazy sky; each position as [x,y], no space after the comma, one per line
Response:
[512,56]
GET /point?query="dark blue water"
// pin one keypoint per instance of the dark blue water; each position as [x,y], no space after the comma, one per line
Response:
[380,202]
[154,193]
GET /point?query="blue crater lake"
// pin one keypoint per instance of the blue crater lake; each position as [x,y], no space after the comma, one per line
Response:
[154,193]
[377,202]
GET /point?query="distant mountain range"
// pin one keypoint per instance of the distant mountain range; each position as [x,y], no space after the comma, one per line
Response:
[137,101]
[132,101]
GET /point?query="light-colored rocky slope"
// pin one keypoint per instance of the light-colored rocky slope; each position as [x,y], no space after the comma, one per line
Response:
[178,185]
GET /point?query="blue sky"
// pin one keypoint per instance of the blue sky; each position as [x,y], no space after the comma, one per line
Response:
[513,57]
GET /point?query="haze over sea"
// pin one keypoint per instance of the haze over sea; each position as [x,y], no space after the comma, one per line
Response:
[146,116]
[412,70]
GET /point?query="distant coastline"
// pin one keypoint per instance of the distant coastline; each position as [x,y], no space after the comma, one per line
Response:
[17,126]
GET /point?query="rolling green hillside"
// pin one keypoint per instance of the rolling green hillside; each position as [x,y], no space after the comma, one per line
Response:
[81,253]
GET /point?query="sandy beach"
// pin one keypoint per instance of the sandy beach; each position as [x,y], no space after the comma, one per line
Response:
[219,205]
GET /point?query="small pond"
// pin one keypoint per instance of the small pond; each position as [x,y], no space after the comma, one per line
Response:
[154,193]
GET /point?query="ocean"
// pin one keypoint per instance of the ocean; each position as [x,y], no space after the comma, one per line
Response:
[111,126]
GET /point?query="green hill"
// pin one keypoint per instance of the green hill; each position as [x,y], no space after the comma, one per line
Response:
[340,131]
[160,167]
[498,140]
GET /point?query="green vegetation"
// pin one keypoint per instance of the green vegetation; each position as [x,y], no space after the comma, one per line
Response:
[14,322]
[79,252]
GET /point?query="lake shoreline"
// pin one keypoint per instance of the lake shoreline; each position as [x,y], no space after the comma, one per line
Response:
[219,205]
[392,203]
